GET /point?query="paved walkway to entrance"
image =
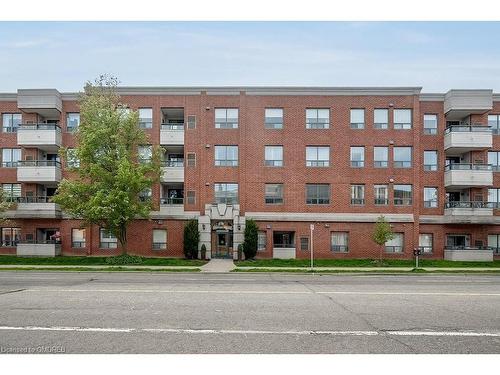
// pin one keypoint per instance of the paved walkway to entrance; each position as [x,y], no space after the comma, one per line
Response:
[218,265]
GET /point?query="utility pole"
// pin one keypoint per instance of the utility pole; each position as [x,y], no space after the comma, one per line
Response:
[311,227]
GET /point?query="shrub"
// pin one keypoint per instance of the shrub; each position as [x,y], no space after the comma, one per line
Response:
[124,259]
[191,239]
[251,239]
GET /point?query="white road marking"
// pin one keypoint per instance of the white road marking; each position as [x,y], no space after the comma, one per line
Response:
[449,294]
[252,332]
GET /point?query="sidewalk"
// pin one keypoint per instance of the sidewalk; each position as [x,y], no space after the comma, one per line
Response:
[219,265]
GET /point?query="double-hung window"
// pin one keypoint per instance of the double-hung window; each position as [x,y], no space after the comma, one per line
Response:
[145,153]
[11,122]
[273,118]
[402,195]
[381,118]
[317,156]
[226,156]
[402,157]
[10,157]
[396,244]
[317,118]
[317,193]
[430,124]
[72,121]
[430,197]
[226,193]
[226,118]
[273,156]
[357,156]
[261,240]
[145,118]
[402,119]
[381,194]
[77,238]
[425,241]
[159,239]
[107,240]
[339,242]
[10,237]
[274,193]
[430,160]
[380,156]
[358,194]
[11,192]
[357,118]
[494,198]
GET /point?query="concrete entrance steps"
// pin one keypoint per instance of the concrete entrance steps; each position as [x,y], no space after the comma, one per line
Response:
[219,265]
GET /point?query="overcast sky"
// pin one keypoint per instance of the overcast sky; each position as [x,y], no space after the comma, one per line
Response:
[437,56]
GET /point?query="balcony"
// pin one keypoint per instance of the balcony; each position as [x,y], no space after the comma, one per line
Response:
[468,253]
[45,102]
[172,206]
[461,175]
[43,136]
[464,208]
[37,207]
[172,134]
[40,171]
[38,249]
[464,138]
[462,103]
[283,251]
[172,171]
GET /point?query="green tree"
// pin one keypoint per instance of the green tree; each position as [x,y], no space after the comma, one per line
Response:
[191,239]
[251,238]
[110,176]
[382,233]
[5,204]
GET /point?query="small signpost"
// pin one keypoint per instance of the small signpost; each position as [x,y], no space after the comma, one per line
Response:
[416,252]
[311,227]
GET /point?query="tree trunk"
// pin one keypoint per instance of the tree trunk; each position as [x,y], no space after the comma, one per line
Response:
[122,238]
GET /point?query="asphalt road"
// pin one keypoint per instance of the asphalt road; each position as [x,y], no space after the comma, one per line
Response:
[248,313]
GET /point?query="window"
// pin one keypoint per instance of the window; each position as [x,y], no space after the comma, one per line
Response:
[402,119]
[317,156]
[11,122]
[145,118]
[357,118]
[273,118]
[226,118]
[430,161]
[381,118]
[77,238]
[226,193]
[304,243]
[396,244]
[357,157]
[402,195]
[381,194]
[191,197]
[72,121]
[425,242]
[191,122]
[159,239]
[317,194]
[146,195]
[72,160]
[317,118]
[274,193]
[494,198]
[226,156]
[274,156]
[145,153]
[107,240]
[380,157]
[494,243]
[402,157]
[261,240]
[339,242]
[430,124]
[191,159]
[494,123]
[430,197]
[10,237]
[11,192]
[358,194]
[10,157]
[494,160]
[284,239]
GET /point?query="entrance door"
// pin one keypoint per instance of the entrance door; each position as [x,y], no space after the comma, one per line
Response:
[223,244]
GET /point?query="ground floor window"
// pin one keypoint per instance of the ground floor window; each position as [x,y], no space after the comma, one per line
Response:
[339,242]
[396,244]
[77,238]
[10,236]
[494,242]
[261,240]
[304,243]
[107,240]
[284,239]
[159,239]
[425,242]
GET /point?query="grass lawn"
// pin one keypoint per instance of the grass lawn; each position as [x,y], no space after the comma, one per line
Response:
[108,269]
[361,263]
[367,271]
[101,261]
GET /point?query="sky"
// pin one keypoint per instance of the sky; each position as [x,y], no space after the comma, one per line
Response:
[437,56]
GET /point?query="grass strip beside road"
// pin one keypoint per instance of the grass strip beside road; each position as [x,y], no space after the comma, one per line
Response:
[363,263]
[106,269]
[367,271]
[94,261]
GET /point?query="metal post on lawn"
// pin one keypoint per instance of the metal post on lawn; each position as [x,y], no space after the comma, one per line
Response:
[416,252]
[311,227]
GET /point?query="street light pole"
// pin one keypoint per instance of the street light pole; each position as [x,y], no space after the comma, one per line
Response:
[311,227]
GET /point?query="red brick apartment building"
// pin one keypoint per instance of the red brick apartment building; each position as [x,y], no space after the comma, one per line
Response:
[287,157]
